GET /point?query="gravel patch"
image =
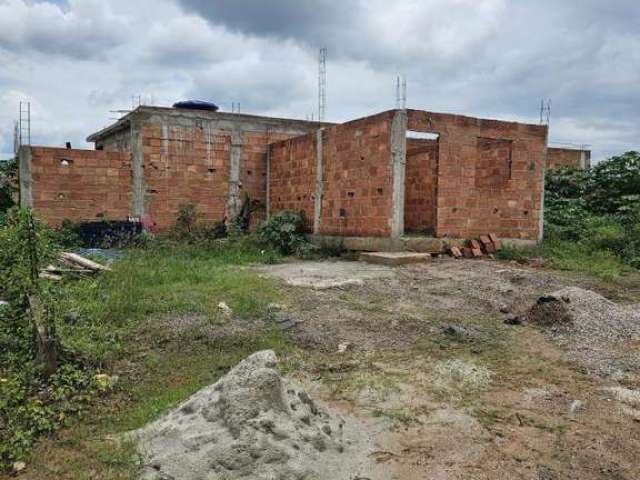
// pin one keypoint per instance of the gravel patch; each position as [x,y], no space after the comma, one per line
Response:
[594,330]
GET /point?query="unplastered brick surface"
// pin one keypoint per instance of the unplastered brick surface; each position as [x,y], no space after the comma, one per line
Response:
[467,206]
[80,185]
[564,157]
[293,176]
[357,178]
[191,164]
[420,186]
[185,165]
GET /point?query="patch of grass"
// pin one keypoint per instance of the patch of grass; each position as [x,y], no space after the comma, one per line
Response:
[123,322]
[571,256]
[575,257]
[156,282]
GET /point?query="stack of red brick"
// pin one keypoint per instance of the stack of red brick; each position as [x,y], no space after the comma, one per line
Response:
[487,244]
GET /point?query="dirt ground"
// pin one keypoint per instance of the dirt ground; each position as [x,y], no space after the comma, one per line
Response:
[451,391]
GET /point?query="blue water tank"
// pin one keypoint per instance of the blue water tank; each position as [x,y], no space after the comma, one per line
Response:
[196,105]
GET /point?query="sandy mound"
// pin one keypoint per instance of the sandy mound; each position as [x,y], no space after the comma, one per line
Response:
[594,329]
[253,424]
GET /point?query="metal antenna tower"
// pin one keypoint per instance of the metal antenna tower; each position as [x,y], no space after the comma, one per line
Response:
[545,111]
[24,124]
[322,84]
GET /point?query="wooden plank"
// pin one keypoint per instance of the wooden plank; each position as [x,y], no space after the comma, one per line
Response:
[83,262]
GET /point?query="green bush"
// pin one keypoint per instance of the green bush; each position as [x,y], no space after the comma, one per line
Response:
[8,186]
[285,232]
[33,400]
[189,228]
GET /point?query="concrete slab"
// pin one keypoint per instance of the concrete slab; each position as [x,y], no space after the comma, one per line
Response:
[393,259]
[325,275]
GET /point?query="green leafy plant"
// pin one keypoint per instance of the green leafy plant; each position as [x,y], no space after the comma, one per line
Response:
[189,228]
[186,220]
[285,231]
[8,186]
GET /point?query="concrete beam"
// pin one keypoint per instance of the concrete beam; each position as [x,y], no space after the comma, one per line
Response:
[138,193]
[398,164]
[24,176]
[235,160]
[317,205]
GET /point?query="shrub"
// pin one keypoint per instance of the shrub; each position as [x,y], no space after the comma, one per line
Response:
[285,232]
[595,213]
[186,220]
[189,229]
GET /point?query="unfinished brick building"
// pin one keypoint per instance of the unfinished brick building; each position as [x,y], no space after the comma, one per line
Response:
[398,179]
[151,162]
[568,157]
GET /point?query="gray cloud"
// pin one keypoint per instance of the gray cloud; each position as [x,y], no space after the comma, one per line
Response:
[77,60]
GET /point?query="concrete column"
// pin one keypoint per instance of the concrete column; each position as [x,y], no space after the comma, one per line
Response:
[138,204]
[24,174]
[398,163]
[268,206]
[317,206]
[233,205]
[543,166]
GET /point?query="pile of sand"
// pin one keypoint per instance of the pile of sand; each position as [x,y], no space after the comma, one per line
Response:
[254,424]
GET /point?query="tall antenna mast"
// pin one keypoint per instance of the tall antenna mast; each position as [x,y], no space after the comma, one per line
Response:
[24,124]
[545,111]
[398,100]
[322,84]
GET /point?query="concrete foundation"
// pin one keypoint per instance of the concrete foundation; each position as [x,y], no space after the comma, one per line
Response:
[394,259]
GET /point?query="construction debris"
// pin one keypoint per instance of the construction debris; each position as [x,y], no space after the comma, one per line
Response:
[72,263]
[488,244]
[76,261]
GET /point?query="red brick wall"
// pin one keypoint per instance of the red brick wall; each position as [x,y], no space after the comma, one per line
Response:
[357,183]
[420,186]
[293,176]
[185,165]
[92,185]
[493,168]
[465,209]
[565,157]
[357,177]
[192,165]
[253,170]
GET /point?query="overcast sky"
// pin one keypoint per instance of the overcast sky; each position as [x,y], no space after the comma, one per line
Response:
[76,60]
